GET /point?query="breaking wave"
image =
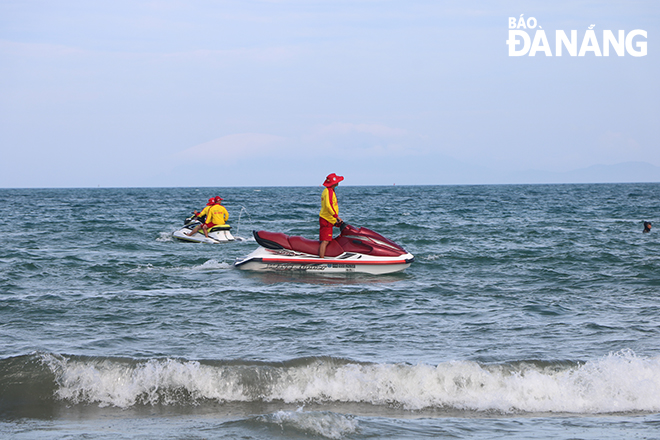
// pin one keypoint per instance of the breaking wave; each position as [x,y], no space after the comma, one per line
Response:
[619,382]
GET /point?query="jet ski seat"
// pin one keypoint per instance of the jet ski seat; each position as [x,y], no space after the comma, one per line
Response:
[278,240]
[220,228]
[308,246]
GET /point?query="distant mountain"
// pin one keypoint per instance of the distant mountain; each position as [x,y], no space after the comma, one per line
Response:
[433,169]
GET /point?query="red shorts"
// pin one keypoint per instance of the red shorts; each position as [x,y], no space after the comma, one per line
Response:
[325,230]
[209,225]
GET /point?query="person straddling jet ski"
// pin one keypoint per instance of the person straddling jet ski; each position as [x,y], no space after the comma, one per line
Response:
[201,216]
[329,215]
[216,215]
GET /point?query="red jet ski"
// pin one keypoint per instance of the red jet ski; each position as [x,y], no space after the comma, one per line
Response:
[358,250]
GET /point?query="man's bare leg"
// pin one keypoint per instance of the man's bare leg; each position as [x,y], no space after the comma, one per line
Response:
[322,247]
[194,231]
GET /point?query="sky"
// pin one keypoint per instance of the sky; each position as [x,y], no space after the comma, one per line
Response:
[170,93]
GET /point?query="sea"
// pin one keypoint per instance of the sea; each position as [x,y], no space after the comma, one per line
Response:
[530,311]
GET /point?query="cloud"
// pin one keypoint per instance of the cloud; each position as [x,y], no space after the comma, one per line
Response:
[344,128]
[360,140]
[368,140]
[233,147]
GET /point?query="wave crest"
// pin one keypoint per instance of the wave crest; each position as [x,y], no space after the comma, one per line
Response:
[318,423]
[618,382]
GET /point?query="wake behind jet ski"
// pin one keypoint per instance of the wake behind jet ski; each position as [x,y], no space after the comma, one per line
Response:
[355,250]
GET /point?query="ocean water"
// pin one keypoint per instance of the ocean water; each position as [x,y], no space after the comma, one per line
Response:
[531,311]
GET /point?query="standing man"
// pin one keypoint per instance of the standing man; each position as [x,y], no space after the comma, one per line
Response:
[329,215]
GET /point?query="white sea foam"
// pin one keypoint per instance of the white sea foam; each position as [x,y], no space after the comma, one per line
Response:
[238,238]
[325,424]
[165,236]
[431,257]
[615,383]
[249,238]
[212,265]
[209,265]
[142,268]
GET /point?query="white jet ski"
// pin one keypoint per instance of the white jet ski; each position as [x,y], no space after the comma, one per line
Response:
[217,234]
[355,250]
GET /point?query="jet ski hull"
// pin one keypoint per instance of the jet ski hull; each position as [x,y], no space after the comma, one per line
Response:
[355,250]
[218,234]
[271,260]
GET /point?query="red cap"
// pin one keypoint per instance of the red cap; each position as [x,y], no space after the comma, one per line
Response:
[211,201]
[332,179]
[218,199]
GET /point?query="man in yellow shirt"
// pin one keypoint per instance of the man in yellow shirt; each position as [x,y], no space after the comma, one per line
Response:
[329,215]
[216,215]
[206,208]
[199,215]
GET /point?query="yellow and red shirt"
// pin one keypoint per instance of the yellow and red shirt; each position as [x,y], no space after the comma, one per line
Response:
[204,211]
[329,206]
[217,214]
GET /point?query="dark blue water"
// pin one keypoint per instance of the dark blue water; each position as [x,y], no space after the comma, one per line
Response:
[530,312]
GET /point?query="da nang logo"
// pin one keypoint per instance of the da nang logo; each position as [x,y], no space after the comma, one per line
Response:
[522,42]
